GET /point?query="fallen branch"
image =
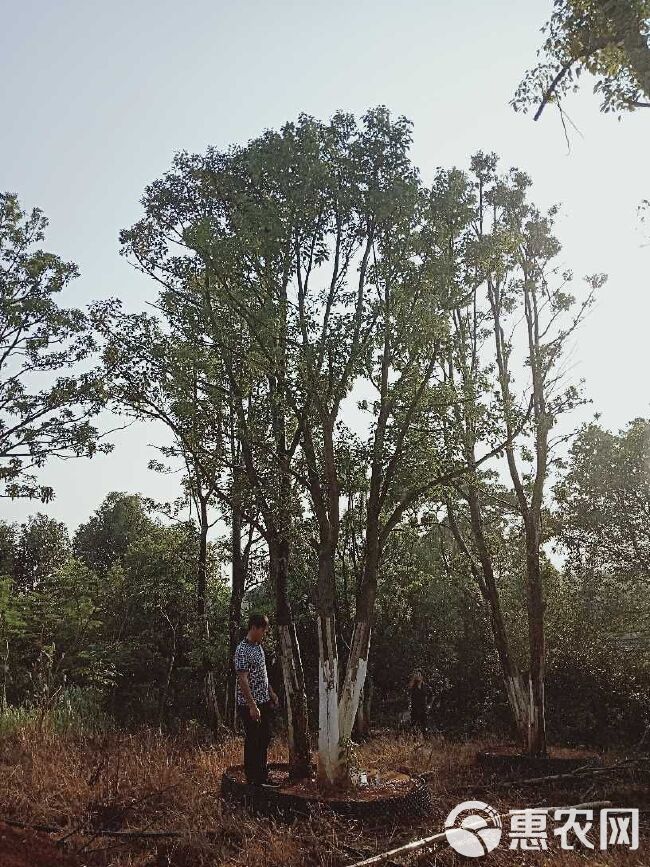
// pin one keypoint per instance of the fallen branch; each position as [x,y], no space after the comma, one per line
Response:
[578,774]
[441,838]
[123,808]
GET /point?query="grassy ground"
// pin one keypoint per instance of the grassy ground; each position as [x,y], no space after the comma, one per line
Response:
[148,781]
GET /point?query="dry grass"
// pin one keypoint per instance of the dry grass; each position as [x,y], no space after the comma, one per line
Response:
[148,781]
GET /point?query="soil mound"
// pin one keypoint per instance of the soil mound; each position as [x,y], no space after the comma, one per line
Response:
[389,794]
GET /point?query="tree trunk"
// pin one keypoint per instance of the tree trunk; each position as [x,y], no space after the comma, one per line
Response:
[292,671]
[209,683]
[363,712]
[357,667]
[294,689]
[516,686]
[238,573]
[517,690]
[212,702]
[164,693]
[331,768]
[530,511]
[535,604]
[355,677]
[4,669]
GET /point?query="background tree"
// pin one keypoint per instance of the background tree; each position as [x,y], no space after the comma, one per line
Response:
[38,342]
[602,655]
[11,626]
[43,545]
[604,502]
[105,537]
[156,376]
[147,599]
[475,516]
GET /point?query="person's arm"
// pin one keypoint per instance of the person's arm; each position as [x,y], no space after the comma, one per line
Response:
[245,687]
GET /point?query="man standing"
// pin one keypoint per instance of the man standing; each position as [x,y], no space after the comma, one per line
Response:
[255,700]
[420,695]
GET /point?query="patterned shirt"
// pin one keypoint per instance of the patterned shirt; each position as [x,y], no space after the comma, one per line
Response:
[250,658]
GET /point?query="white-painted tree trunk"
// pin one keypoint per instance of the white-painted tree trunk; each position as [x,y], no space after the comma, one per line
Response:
[330,766]
[355,678]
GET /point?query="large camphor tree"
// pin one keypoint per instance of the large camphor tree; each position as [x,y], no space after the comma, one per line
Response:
[316,270]
[299,244]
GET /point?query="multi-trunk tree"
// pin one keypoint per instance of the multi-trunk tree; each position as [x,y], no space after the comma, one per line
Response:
[504,363]
[226,293]
[313,268]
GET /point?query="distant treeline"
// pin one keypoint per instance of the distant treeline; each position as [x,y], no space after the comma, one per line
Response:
[101,630]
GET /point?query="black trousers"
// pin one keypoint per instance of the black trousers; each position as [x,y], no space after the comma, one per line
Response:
[419,718]
[257,737]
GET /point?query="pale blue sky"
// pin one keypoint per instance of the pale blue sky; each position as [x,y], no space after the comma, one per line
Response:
[97,96]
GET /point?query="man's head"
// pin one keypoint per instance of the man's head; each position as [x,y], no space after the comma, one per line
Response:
[257,626]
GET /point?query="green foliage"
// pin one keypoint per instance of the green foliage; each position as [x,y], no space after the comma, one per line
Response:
[610,39]
[43,546]
[76,711]
[600,609]
[599,658]
[104,539]
[604,502]
[112,633]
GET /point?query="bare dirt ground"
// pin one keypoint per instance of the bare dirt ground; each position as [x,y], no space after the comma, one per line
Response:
[88,789]
[19,848]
